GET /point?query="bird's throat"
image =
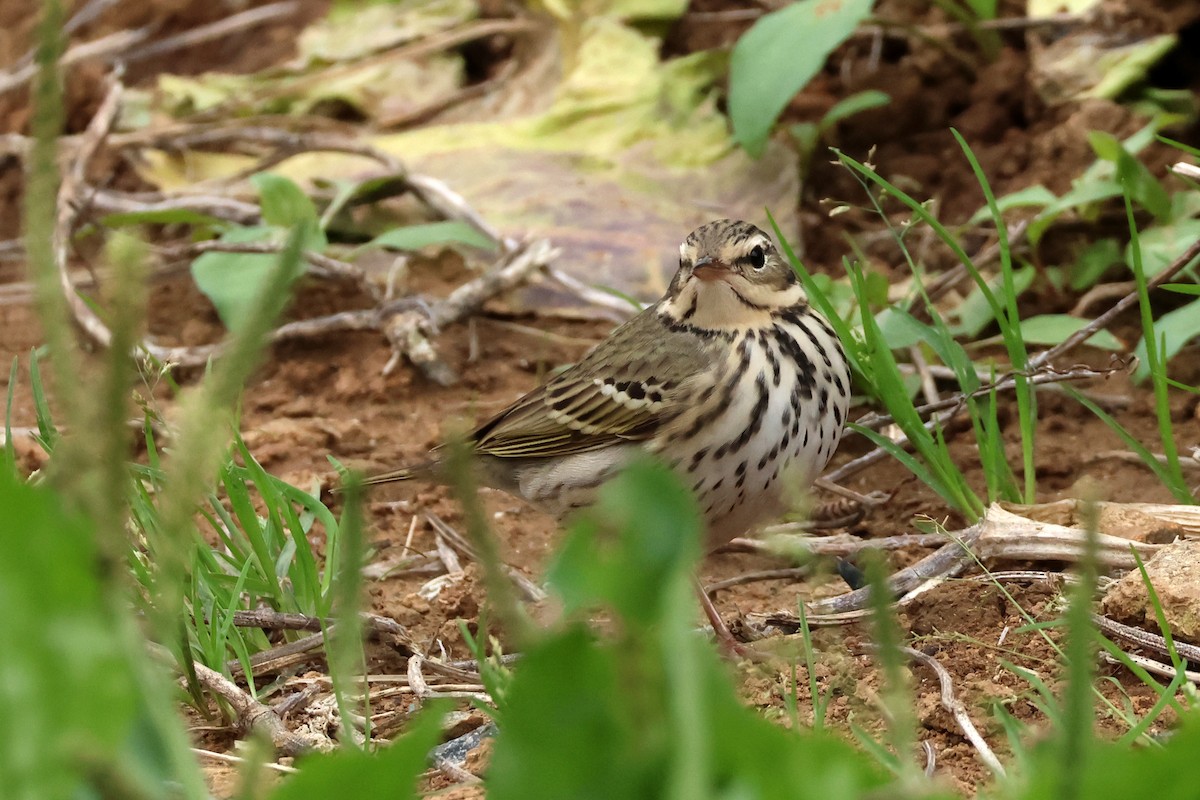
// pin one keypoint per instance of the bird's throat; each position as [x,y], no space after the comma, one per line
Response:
[729,305]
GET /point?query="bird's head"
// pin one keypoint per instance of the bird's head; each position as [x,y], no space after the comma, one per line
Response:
[730,276]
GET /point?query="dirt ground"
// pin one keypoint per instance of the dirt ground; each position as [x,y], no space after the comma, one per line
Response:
[328,396]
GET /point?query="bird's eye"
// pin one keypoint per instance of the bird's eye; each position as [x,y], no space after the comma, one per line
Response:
[757,257]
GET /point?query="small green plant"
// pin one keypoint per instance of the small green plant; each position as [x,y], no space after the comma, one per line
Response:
[778,56]
[231,279]
[970,13]
[650,711]
[809,136]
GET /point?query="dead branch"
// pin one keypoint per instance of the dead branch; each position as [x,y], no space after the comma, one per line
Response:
[1154,667]
[227,758]
[69,194]
[215,30]
[421,688]
[1000,535]
[841,545]
[947,561]
[410,328]
[283,656]
[254,716]
[377,627]
[785,574]
[106,201]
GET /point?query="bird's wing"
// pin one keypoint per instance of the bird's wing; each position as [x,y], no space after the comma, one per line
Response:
[621,391]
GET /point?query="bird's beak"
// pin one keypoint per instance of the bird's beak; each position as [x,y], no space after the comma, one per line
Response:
[706,269]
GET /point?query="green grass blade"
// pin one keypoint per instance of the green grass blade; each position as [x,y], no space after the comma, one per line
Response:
[10,451]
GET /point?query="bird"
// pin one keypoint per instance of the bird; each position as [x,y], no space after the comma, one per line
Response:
[732,379]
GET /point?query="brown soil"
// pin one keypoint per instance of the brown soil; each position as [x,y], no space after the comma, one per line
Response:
[328,396]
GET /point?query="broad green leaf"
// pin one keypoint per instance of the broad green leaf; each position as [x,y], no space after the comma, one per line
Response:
[1182,288]
[900,329]
[283,202]
[1084,192]
[875,288]
[1173,330]
[1144,188]
[983,9]
[570,728]
[855,103]
[974,314]
[1052,329]
[1162,244]
[1121,67]
[1105,145]
[778,56]
[1185,205]
[416,237]
[1022,198]
[1096,259]
[1098,182]
[1106,770]
[232,280]
[643,531]
[66,689]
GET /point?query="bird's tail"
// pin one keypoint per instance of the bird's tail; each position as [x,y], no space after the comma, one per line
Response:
[402,474]
[423,471]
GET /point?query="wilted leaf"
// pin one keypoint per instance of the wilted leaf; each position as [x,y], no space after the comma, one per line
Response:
[1089,62]
[1038,9]
[620,160]
[355,30]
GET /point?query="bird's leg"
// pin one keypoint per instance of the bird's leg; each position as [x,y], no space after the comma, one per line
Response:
[725,639]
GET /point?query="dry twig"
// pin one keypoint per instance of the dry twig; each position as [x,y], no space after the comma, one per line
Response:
[122,46]
[228,758]
[254,716]
[409,329]
[1146,639]
[952,704]
[529,590]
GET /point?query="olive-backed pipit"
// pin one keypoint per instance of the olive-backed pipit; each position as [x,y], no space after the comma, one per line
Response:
[732,378]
